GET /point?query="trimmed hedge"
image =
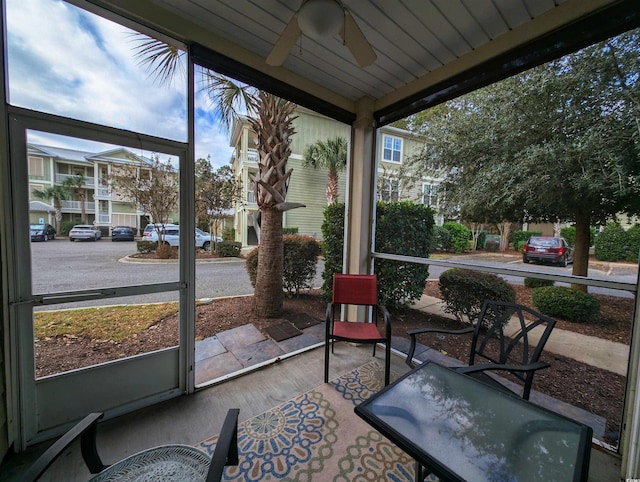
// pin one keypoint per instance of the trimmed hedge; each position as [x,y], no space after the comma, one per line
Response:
[459,235]
[537,282]
[401,228]
[463,292]
[440,240]
[300,261]
[613,243]
[291,230]
[569,233]
[565,303]
[519,238]
[228,249]
[65,227]
[146,246]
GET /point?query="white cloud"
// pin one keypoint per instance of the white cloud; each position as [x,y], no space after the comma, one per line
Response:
[69,62]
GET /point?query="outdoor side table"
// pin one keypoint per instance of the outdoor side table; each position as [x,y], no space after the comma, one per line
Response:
[461,429]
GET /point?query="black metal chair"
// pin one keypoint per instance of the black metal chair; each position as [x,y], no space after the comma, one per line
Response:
[518,355]
[211,468]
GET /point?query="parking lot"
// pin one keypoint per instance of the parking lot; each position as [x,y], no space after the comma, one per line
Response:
[60,265]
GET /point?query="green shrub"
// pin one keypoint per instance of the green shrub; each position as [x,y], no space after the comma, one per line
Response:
[229,234]
[537,282]
[401,228]
[460,236]
[633,243]
[332,246]
[519,238]
[300,261]
[492,246]
[290,230]
[251,264]
[463,292]
[612,243]
[569,233]
[228,249]
[565,303]
[65,227]
[440,240]
[146,246]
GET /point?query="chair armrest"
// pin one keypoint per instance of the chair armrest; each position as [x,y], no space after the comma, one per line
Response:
[419,331]
[226,451]
[85,429]
[495,366]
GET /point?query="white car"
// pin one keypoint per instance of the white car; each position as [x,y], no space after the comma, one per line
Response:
[172,237]
[86,232]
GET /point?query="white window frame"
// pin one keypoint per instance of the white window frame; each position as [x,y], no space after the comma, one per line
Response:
[392,148]
[428,194]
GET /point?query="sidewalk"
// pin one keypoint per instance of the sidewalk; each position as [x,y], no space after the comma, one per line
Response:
[593,351]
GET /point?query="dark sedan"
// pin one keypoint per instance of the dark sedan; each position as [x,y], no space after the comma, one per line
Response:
[122,233]
[42,232]
[547,248]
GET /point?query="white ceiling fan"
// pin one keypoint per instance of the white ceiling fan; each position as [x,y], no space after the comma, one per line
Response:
[320,20]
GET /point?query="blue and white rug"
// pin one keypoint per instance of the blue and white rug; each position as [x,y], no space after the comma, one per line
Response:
[317,437]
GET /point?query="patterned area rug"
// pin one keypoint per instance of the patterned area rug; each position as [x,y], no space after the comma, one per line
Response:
[318,437]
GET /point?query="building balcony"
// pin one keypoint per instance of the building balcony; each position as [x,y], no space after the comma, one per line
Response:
[103,220]
[251,197]
[88,181]
[76,206]
[102,192]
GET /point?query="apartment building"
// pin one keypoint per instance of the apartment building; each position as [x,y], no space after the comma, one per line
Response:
[50,166]
[308,185]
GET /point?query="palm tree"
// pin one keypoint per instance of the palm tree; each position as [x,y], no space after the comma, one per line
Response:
[332,155]
[77,184]
[271,119]
[57,193]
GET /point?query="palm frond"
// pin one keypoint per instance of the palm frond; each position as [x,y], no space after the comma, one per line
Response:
[230,97]
[162,61]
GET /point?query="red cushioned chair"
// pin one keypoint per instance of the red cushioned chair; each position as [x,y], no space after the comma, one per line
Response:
[359,290]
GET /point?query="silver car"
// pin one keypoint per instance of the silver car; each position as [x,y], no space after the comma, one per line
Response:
[86,232]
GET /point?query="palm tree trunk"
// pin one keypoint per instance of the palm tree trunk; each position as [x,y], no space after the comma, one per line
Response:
[332,188]
[270,265]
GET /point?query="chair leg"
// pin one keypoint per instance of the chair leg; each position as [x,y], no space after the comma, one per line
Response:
[387,363]
[326,359]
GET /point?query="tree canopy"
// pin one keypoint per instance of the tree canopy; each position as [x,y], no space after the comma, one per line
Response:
[558,142]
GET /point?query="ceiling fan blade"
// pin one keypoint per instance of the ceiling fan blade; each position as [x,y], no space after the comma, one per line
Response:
[356,42]
[287,39]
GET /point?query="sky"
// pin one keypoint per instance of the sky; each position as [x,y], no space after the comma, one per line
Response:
[65,61]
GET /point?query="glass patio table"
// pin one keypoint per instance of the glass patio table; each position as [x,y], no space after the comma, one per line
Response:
[461,429]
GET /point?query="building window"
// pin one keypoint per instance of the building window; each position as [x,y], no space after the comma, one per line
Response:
[36,166]
[389,190]
[430,195]
[392,149]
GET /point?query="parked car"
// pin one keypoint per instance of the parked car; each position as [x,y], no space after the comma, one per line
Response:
[172,237]
[122,233]
[86,232]
[42,232]
[547,249]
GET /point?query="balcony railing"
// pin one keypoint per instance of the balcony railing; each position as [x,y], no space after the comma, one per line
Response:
[102,192]
[104,219]
[252,155]
[251,197]
[88,181]
[76,206]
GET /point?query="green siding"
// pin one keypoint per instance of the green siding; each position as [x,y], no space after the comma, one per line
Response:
[312,127]
[309,186]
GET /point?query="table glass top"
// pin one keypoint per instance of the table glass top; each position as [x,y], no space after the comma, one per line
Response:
[476,431]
